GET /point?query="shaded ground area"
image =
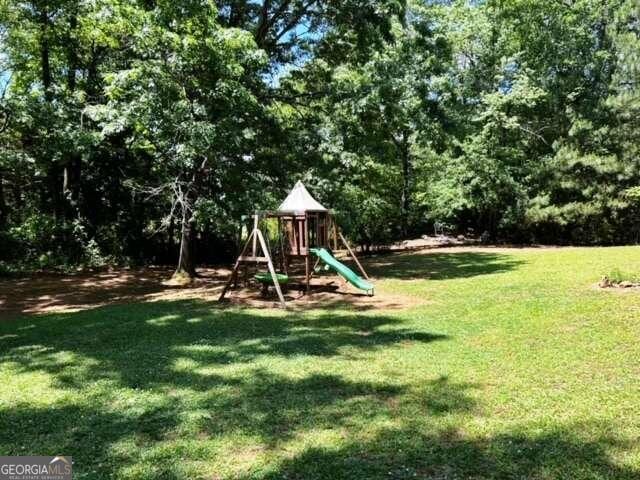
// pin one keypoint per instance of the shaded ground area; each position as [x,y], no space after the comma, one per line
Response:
[49,294]
[165,331]
[64,293]
[166,380]
[449,455]
[444,263]
[157,373]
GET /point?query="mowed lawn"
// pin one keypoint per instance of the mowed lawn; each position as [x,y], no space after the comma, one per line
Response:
[508,364]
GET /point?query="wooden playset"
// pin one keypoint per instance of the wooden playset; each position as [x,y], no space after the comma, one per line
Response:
[304,229]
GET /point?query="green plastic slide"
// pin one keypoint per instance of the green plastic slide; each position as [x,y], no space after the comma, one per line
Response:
[352,277]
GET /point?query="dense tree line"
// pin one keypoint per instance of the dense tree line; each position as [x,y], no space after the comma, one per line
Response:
[142,130]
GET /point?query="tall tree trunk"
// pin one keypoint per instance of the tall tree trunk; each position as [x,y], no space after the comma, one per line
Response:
[56,205]
[186,269]
[3,204]
[406,184]
[71,178]
[45,64]
[169,251]
[53,172]
[73,167]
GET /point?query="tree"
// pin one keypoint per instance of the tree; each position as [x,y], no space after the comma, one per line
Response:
[379,113]
[129,127]
[186,101]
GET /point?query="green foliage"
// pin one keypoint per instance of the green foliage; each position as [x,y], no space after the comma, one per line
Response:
[369,219]
[41,243]
[151,123]
[633,193]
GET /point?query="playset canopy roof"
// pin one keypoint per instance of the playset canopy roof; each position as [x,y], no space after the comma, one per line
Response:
[300,201]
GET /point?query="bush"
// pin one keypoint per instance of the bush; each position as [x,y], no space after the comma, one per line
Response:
[367,219]
[42,243]
[619,276]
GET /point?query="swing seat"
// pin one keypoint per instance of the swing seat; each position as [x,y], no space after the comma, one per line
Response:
[265,277]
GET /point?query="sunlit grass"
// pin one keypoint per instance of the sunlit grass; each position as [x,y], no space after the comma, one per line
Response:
[516,367]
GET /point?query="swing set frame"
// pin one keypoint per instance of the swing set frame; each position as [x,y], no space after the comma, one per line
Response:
[303,231]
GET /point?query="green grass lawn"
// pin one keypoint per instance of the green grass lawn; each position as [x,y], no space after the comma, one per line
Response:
[513,366]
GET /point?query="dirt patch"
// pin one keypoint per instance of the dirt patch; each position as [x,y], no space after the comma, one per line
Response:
[460,243]
[634,288]
[81,291]
[325,293]
[431,241]
[70,293]
[606,282]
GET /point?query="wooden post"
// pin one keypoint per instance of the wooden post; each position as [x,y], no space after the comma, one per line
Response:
[256,235]
[255,227]
[354,256]
[335,233]
[306,241]
[271,269]
[281,246]
[301,229]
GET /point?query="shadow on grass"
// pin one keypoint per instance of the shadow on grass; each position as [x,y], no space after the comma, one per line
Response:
[141,345]
[272,408]
[166,390]
[157,374]
[441,266]
[106,444]
[410,453]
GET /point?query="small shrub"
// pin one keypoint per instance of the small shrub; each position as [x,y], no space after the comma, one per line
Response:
[619,278]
